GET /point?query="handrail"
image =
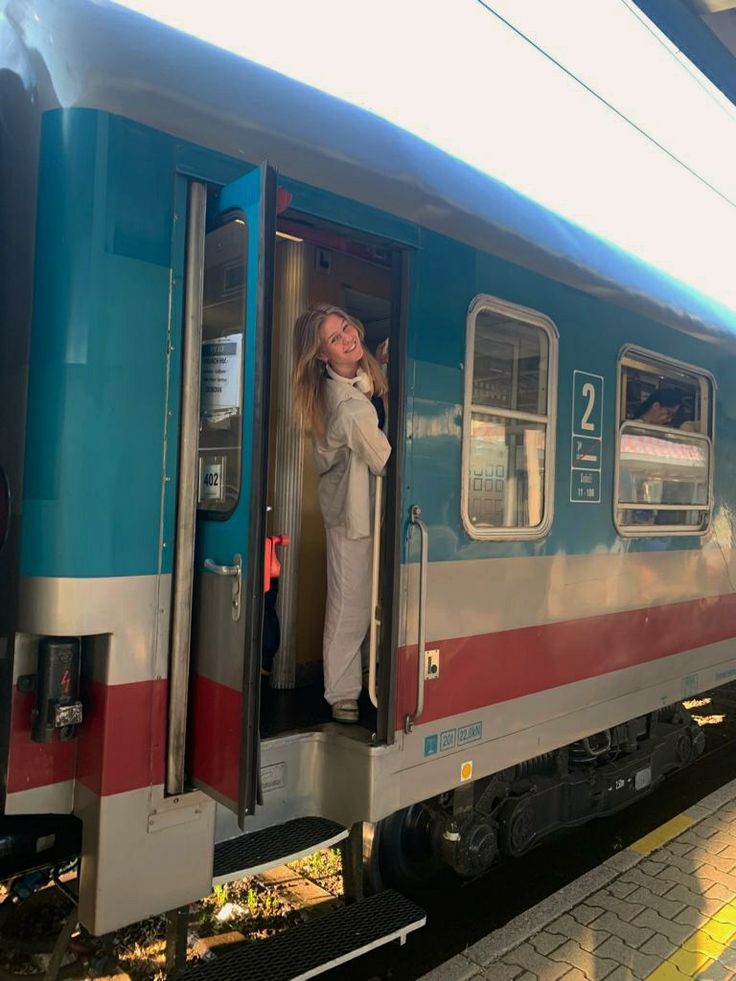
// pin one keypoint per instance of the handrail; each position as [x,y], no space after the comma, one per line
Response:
[375,611]
[415,512]
[186,510]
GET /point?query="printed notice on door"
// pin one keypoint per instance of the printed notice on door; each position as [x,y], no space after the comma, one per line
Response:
[221,368]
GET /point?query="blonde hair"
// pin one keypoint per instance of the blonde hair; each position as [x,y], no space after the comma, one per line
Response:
[309,368]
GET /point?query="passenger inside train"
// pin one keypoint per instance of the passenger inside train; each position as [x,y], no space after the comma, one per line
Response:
[663,477]
[320,265]
[337,384]
[661,408]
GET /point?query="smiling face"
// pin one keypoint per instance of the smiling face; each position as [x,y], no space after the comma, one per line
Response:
[340,345]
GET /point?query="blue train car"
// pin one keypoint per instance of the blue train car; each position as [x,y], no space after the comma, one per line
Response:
[556,564]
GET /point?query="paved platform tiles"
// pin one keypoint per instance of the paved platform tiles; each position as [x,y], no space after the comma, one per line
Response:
[663,909]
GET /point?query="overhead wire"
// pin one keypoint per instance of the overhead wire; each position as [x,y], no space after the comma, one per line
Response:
[673,156]
[699,77]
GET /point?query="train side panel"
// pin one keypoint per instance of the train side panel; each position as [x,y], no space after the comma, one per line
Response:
[540,642]
[98,513]
[19,116]
[543,642]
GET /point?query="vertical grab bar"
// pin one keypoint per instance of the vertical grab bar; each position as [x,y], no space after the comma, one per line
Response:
[186,510]
[415,512]
[375,613]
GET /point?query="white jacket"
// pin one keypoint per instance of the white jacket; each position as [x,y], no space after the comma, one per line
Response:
[352,448]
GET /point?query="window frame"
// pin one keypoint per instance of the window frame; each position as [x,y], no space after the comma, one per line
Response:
[652,361]
[529,318]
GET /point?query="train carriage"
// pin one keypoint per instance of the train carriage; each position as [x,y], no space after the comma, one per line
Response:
[554,571]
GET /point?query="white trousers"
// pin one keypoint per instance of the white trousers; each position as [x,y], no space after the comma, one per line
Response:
[347,613]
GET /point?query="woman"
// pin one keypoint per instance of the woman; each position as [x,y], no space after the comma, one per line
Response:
[335,378]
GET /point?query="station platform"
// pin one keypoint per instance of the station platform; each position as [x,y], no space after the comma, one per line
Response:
[664,909]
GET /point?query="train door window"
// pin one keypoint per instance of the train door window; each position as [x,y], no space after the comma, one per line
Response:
[222,359]
[508,433]
[664,454]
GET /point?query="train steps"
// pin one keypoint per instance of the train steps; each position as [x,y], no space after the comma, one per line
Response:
[258,851]
[316,946]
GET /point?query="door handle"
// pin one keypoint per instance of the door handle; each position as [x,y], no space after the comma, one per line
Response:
[236,571]
[410,719]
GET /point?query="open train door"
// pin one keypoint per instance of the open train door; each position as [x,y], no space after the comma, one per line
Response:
[231,476]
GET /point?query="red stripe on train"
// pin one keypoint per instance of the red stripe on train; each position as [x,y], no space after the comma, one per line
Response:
[120,746]
[489,668]
[122,742]
[30,764]
[216,713]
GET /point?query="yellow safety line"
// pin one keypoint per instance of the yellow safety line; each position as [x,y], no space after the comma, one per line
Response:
[660,836]
[704,946]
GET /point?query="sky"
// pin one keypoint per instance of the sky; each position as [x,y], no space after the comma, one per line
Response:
[585,107]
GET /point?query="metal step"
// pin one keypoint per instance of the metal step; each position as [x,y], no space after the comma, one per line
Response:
[253,853]
[312,948]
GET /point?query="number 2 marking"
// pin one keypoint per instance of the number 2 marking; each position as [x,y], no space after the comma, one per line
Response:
[589,394]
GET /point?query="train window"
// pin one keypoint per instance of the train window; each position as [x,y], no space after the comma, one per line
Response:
[507,434]
[221,409]
[664,456]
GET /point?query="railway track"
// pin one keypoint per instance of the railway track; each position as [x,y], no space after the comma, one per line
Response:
[264,904]
[240,912]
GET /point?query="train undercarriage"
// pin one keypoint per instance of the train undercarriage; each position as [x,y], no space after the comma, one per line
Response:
[510,812]
[461,833]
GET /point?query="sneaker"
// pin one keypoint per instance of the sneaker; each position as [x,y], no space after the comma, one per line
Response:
[345,711]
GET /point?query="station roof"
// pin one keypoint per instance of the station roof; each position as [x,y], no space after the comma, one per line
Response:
[705,31]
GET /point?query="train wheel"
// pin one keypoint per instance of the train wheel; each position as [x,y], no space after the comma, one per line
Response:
[405,858]
[517,828]
[685,748]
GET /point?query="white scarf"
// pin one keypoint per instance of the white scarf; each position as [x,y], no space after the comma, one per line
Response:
[362,380]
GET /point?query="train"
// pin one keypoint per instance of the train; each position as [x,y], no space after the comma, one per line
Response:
[553,567]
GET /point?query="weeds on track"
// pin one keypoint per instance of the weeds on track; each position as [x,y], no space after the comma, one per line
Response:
[251,907]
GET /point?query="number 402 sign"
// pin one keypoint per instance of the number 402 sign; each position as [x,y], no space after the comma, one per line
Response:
[211,479]
[587,438]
